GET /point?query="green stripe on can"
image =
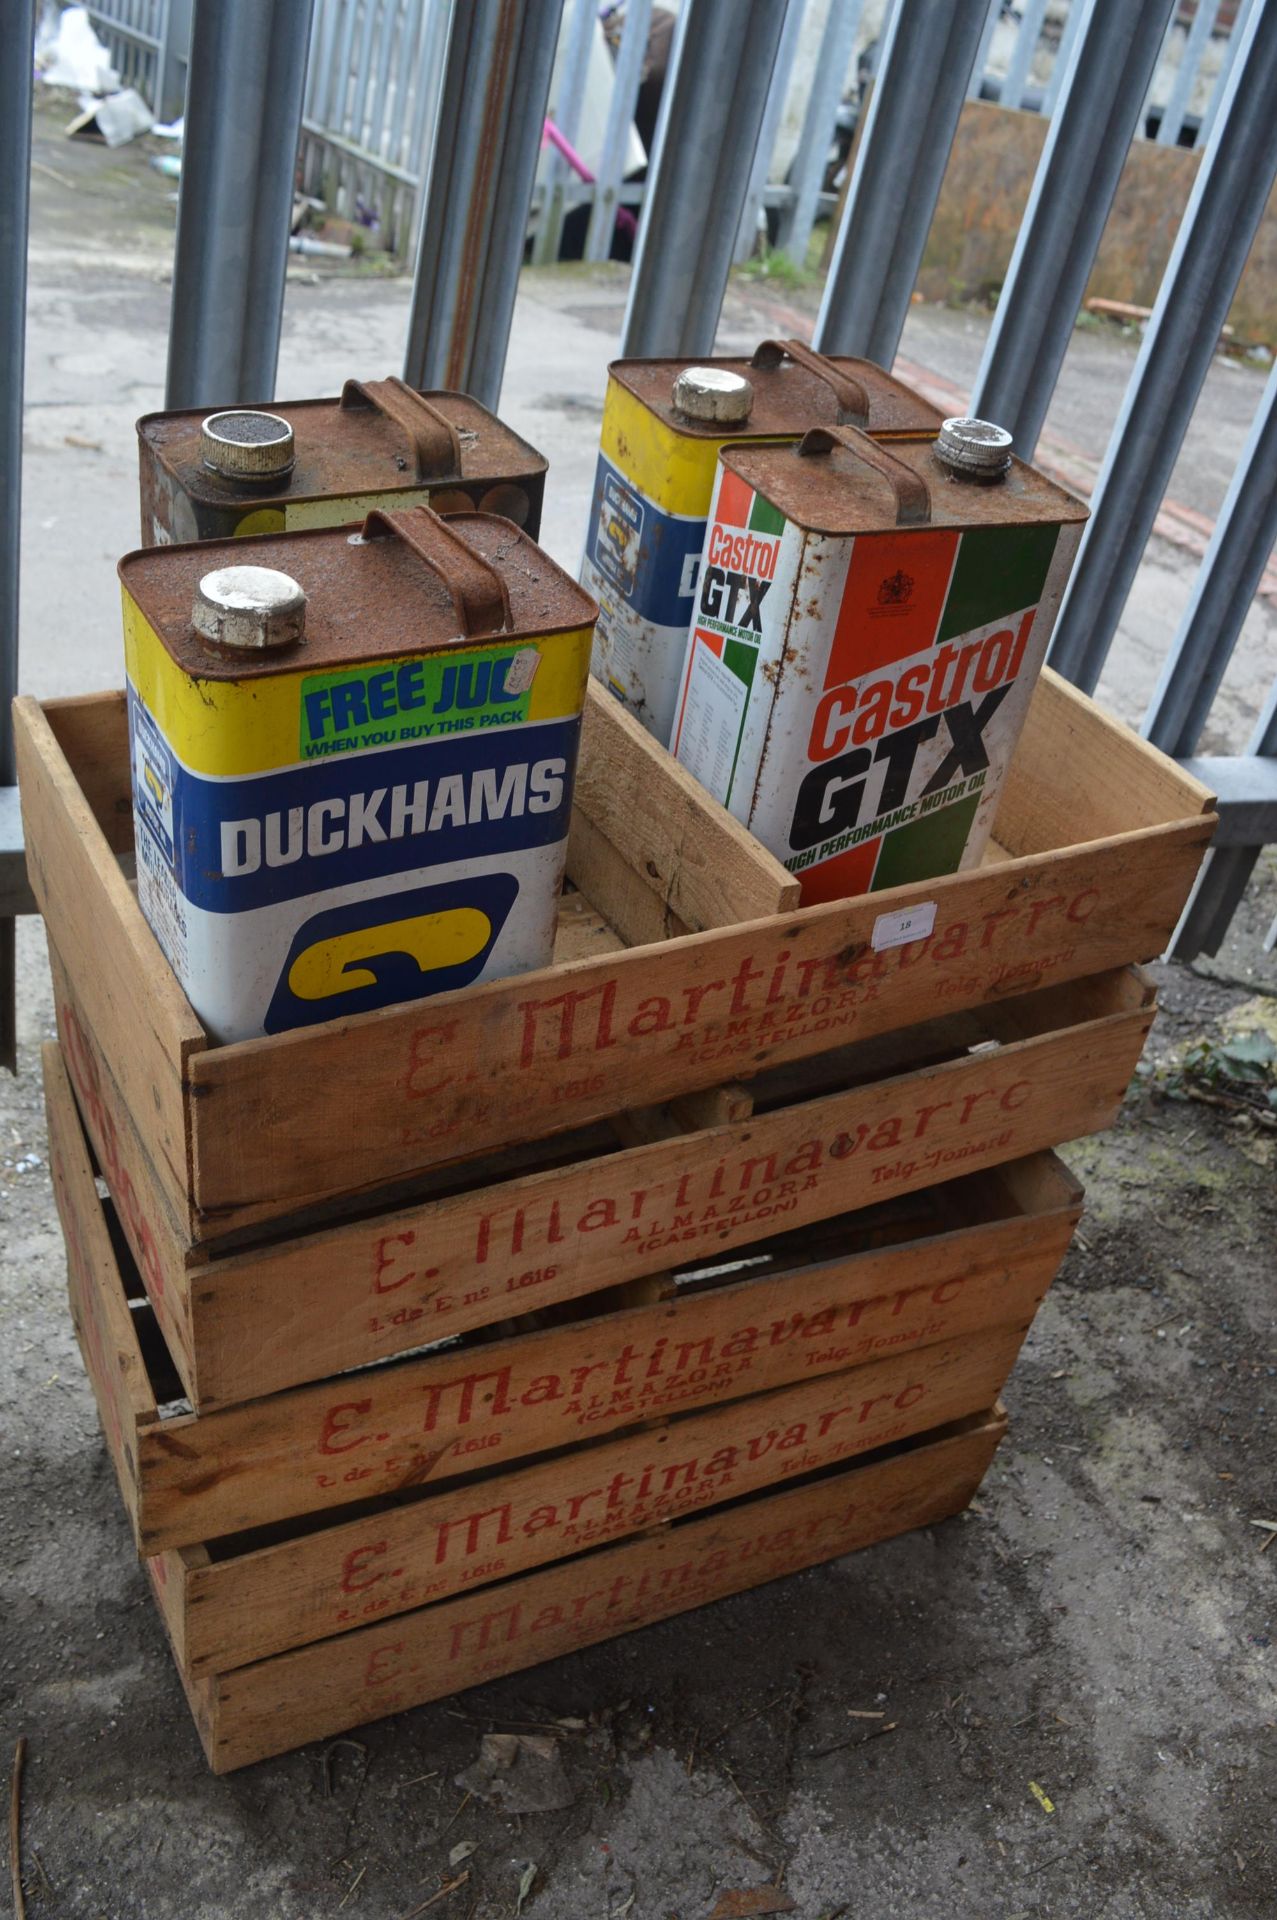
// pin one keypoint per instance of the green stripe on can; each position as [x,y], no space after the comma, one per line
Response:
[998,571]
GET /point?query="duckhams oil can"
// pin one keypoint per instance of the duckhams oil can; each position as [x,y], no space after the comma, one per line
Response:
[326,463]
[664,424]
[870,625]
[353,758]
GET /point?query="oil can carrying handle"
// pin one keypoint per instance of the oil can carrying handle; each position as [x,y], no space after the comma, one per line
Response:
[913,496]
[436,449]
[477,591]
[851,395]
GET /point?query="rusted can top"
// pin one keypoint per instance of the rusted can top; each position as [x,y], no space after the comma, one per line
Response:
[974,450]
[789,388]
[249,607]
[380,436]
[837,481]
[408,581]
[713,393]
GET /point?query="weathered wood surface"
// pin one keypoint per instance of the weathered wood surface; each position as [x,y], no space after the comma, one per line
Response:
[436,1416]
[244,1134]
[317,1584]
[142,1019]
[370,1288]
[313,1692]
[257,1322]
[99,1310]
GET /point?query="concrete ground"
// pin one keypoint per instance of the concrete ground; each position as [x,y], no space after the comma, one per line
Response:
[1100,1624]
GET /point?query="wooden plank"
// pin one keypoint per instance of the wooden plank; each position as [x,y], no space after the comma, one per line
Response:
[439,1415]
[703,864]
[163,1256]
[133,1002]
[92,731]
[519,1058]
[1079,774]
[625,897]
[268,1598]
[273,1705]
[103,1323]
[583,931]
[367,1289]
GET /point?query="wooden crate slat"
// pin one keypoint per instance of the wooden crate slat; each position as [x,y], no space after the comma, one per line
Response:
[705,867]
[241,1134]
[273,1705]
[1079,774]
[458,1262]
[437,1416]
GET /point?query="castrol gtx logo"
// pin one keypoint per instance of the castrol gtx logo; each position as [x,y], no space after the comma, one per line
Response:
[397,946]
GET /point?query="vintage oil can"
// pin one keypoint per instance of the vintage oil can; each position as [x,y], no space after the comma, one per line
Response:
[326,463]
[664,422]
[869,627]
[352,756]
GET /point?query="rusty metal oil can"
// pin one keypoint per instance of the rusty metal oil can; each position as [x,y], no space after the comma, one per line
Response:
[664,424]
[870,625]
[326,463]
[352,754]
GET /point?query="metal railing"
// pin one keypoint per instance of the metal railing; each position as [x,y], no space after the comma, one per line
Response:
[148,41]
[251,93]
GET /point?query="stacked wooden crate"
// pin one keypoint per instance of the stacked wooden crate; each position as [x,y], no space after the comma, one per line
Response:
[439,1341]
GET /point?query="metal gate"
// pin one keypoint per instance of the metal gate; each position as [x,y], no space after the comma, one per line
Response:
[377,69]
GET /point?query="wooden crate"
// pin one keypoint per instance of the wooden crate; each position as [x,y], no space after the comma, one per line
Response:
[889,1322]
[1098,840]
[315,1691]
[470,1246]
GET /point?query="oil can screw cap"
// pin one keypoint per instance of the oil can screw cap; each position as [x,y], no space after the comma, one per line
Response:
[713,393]
[975,449]
[243,444]
[250,607]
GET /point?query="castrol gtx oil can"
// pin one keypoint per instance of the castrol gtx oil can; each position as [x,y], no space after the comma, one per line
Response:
[664,423]
[870,623]
[327,463]
[352,755]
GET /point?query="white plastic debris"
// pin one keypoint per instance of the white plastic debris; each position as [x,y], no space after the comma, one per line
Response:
[73,56]
[119,118]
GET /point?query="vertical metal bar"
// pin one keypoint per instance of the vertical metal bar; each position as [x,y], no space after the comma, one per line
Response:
[17,33]
[904,148]
[1227,870]
[567,117]
[711,110]
[1086,147]
[1078,10]
[170,61]
[429,80]
[1226,583]
[620,118]
[842,24]
[1240,18]
[980,65]
[319,65]
[243,117]
[475,212]
[341,76]
[777,93]
[1195,44]
[381,80]
[359,98]
[412,70]
[1026,45]
[1214,238]
[433,28]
